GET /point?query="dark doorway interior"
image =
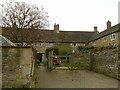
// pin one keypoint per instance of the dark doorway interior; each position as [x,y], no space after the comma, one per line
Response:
[39,55]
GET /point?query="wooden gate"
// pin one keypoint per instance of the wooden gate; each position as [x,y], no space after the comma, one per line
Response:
[66,61]
[71,62]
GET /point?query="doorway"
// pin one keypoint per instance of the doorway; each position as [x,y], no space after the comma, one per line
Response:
[39,57]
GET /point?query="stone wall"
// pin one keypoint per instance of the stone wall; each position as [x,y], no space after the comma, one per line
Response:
[17,66]
[105,62]
[80,60]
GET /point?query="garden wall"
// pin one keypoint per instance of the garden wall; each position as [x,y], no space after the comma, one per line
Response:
[105,62]
[17,66]
[81,60]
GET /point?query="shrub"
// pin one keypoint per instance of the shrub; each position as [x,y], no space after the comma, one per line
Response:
[52,48]
[85,48]
[63,49]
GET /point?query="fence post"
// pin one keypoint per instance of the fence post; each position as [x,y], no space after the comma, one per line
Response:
[71,66]
[51,60]
[91,60]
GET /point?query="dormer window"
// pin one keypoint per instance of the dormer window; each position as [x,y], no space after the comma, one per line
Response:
[113,36]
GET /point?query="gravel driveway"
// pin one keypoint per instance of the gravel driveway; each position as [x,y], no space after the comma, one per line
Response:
[72,79]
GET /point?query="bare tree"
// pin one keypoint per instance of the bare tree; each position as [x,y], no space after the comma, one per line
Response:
[20,16]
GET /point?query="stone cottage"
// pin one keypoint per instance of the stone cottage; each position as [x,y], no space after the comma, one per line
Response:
[42,39]
[109,37]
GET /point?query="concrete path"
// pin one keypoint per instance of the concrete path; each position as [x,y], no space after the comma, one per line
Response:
[72,79]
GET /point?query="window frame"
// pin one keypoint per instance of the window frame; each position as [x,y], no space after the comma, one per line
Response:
[113,36]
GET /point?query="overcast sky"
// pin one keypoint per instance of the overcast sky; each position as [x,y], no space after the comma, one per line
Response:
[79,15]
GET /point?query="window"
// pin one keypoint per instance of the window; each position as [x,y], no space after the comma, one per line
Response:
[74,44]
[105,38]
[37,44]
[113,36]
[94,44]
[50,45]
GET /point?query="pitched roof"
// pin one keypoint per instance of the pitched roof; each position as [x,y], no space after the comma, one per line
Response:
[106,32]
[66,36]
[51,36]
[45,35]
[75,36]
[5,42]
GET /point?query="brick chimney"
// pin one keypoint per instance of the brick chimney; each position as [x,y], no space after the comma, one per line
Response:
[56,28]
[95,30]
[108,24]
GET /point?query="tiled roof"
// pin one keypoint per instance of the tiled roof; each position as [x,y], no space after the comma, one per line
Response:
[106,32]
[66,36]
[75,36]
[45,35]
[51,36]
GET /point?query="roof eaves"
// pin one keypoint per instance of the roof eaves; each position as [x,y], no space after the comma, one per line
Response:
[106,32]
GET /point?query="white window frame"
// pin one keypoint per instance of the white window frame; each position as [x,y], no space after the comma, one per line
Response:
[113,36]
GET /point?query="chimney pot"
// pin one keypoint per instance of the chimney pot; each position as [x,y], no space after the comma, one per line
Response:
[95,29]
[108,24]
[56,28]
